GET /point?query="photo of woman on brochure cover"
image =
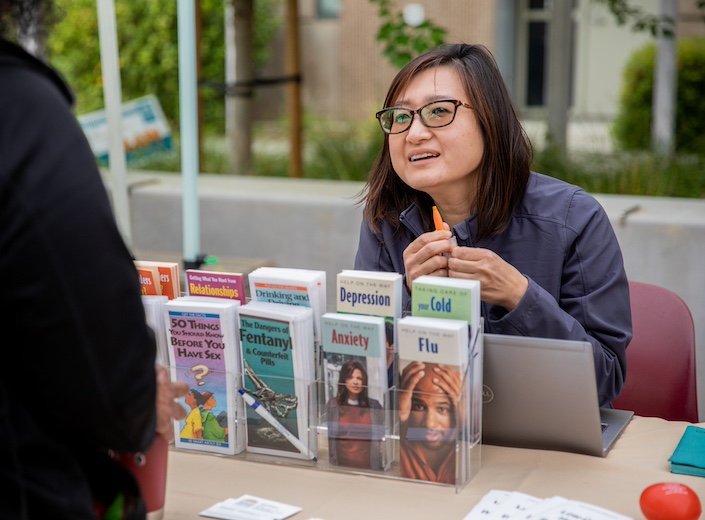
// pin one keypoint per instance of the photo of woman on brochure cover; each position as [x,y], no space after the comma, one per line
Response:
[355,421]
[427,413]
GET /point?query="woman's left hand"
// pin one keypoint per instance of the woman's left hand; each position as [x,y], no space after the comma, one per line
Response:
[500,282]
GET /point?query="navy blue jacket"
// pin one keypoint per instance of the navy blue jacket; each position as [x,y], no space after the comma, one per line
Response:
[561,239]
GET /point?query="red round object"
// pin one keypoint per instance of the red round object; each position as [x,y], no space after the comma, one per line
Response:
[670,501]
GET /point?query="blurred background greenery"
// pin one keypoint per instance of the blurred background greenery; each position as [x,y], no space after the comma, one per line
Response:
[345,150]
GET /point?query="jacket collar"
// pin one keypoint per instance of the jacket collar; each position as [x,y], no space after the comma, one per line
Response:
[15,56]
[465,231]
[411,218]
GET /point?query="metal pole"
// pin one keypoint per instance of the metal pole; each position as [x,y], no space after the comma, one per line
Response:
[188,105]
[506,40]
[230,71]
[559,70]
[665,81]
[112,96]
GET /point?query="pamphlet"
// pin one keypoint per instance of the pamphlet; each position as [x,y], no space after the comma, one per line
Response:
[515,505]
[249,507]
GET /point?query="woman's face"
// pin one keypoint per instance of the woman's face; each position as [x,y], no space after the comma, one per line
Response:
[354,383]
[442,162]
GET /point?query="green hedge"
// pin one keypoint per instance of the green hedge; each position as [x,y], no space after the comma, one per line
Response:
[632,127]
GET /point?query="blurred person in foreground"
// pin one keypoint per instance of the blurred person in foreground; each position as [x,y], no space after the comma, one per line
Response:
[79,358]
[544,251]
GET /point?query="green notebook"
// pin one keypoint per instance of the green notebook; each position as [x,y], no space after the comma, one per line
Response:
[689,456]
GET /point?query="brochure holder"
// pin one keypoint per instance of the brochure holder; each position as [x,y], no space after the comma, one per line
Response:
[390,446]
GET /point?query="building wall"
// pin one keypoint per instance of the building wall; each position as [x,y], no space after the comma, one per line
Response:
[320,53]
[345,72]
[346,75]
[691,21]
[603,48]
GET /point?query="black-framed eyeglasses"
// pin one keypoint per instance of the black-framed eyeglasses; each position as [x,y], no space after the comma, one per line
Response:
[436,114]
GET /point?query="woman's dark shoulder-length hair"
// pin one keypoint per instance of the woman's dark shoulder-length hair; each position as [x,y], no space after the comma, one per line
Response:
[346,372]
[507,151]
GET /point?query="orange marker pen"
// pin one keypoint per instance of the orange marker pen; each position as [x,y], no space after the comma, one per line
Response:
[438,223]
[437,219]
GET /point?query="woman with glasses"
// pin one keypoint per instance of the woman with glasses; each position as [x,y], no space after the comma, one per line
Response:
[543,250]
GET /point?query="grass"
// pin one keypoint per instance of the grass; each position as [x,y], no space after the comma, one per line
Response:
[346,151]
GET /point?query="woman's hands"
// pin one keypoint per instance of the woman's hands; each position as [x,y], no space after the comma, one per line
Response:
[500,282]
[424,256]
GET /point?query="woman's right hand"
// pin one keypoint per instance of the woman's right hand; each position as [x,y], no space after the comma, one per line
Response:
[424,256]
[410,377]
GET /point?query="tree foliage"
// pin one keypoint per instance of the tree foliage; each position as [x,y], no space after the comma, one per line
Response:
[403,42]
[148,48]
[624,12]
[632,126]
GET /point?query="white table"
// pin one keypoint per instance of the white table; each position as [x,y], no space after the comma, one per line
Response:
[638,459]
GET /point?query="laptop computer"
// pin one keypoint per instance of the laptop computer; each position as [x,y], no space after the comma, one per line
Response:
[541,393]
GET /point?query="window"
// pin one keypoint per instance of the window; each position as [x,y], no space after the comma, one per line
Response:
[536,63]
[328,8]
[532,53]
